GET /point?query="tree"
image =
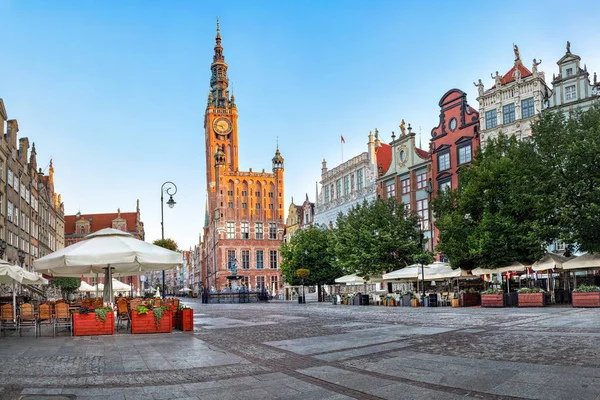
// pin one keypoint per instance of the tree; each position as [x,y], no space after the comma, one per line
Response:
[497,215]
[567,152]
[166,243]
[377,237]
[67,285]
[311,249]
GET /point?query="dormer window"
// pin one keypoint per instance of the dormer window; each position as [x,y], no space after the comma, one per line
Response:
[569,72]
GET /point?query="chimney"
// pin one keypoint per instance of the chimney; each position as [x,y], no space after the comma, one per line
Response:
[23,150]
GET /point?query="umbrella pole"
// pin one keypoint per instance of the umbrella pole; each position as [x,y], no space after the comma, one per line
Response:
[97,285]
[14,301]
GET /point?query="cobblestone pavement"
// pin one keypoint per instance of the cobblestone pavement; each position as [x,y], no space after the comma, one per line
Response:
[321,351]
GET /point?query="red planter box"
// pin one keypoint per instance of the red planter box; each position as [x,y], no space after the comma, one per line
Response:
[88,325]
[586,299]
[532,299]
[185,320]
[470,299]
[492,300]
[146,323]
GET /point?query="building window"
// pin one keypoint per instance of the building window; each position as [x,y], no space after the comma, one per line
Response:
[338,188]
[244,206]
[230,204]
[390,189]
[260,282]
[273,259]
[230,259]
[81,230]
[346,185]
[27,194]
[423,213]
[274,282]
[16,183]
[405,183]
[258,206]
[326,194]
[245,230]
[446,185]
[10,177]
[230,230]
[245,259]
[464,154]
[443,161]
[352,183]
[22,191]
[257,193]
[359,179]
[508,113]
[491,119]
[527,108]
[271,194]
[16,221]
[230,193]
[271,206]
[570,93]
[258,230]
[569,72]
[421,181]
[260,264]
[9,210]
[272,231]
[244,193]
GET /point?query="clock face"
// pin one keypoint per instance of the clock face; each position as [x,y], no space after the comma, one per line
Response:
[222,125]
[453,124]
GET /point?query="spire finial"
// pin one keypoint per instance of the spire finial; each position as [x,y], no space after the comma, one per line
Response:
[393,136]
[218,29]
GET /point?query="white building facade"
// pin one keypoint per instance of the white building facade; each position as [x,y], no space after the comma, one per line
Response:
[346,185]
[513,102]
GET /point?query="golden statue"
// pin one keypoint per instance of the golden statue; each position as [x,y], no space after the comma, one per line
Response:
[402,127]
[51,173]
[59,201]
[516,49]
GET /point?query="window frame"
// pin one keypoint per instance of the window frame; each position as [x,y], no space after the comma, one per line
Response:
[441,155]
[529,105]
[491,119]
[230,230]
[458,153]
[508,110]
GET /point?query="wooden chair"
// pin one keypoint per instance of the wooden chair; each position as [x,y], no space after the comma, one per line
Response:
[156,302]
[6,319]
[63,318]
[27,318]
[123,314]
[44,317]
[135,303]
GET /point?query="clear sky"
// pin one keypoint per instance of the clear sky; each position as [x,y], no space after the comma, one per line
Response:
[115,91]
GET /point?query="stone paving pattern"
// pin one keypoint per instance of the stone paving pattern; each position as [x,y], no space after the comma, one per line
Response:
[320,351]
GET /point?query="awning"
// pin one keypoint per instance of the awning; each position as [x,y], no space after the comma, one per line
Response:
[583,262]
[410,272]
[355,279]
[550,261]
[514,267]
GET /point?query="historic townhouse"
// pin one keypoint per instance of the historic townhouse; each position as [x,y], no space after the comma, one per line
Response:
[244,225]
[513,102]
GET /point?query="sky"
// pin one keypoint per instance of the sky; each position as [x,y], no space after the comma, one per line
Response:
[115,91]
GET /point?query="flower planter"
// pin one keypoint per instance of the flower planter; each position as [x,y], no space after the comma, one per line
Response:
[492,300]
[586,299]
[185,319]
[470,299]
[88,325]
[532,299]
[146,323]
[455,303]
[415,303]
[406,300]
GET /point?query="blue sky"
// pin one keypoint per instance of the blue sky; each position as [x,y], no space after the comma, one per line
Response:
[115,91]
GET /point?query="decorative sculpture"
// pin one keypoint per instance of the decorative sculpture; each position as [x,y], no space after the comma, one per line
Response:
[568,47]
[479,86]
[535,66]
[516,50]
[497,78]
[402,127]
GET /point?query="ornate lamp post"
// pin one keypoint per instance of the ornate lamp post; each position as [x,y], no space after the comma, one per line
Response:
[171,190]
[21,256]
[2,248]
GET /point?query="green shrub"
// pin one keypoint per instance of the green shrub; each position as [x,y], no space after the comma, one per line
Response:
[492,291]
[531,290]
[587,289]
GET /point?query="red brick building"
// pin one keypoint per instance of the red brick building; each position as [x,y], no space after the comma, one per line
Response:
[78,226]
[453,142]
[244,223]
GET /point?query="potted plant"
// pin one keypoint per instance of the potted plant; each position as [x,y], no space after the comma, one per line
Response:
[586,296]
[532,297]
[90,322]
[148,319]
[407,297]
[492,298]
[185,319]
[470,297]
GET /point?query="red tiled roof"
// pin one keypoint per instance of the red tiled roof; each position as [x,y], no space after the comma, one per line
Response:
[508,77]
[100,221]
[383,155]
[422,153]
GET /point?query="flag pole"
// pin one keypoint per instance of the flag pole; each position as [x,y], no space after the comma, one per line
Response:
[342,147]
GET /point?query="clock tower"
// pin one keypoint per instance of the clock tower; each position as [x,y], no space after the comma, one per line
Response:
[244,223]
[220,118]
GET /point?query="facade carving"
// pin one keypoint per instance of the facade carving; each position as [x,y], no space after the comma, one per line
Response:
[244,221]
[513,102]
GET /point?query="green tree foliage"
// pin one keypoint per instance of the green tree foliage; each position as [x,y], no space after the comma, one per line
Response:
[377,237]
[567,151]
[494,218]
[166,243]
[67,285]
[310,249]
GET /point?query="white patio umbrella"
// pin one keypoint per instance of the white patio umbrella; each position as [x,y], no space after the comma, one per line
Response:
[117,286]
[354,279]
[14,274]
[185,289]
[109,251]
[550,261]
[410,272]
[86,287]
[584,261]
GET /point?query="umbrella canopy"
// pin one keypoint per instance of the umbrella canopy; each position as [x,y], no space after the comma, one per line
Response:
[117,286]
[514,267]
[445,272]
[86,287]
[550,261]
[583,262]
[355,279]
[10,273]
[125,254]
[14,274]
[411,273]
[185,289]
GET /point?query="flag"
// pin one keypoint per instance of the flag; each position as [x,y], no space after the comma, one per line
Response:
[343,141]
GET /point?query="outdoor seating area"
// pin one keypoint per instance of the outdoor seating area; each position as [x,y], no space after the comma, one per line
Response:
[553,280]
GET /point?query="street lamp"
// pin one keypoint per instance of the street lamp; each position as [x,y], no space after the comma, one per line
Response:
[429,190]
[2,248]
[171,190]
[21,256]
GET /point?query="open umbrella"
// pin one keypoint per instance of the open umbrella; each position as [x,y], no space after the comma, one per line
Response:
[109,252]
[86,287]
[14,274]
